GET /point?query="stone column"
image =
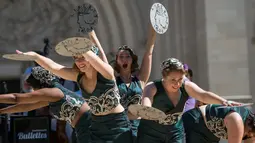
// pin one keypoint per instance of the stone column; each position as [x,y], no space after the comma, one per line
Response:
[227,48]
[250,23]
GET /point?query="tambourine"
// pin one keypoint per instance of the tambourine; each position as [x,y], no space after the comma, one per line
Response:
[73,46]
[19,57]
[145,112]
[159,18]
[86,17]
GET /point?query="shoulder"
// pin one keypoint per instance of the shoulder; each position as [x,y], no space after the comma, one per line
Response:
[190,86]
[150,88]
[140,83]
[233,117]
[54,92]
[150,85]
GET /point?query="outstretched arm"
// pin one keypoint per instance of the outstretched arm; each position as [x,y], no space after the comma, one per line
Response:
[46,95]
[23,107]
[94,39]
[205,96]
[145,70]
[50,65]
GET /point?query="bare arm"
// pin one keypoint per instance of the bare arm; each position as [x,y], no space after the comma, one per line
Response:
[23,107]
[46,95]
[148,94]
[94,39]
[103,68]
[50,65]
[235,127]
[204,96]
[145,70]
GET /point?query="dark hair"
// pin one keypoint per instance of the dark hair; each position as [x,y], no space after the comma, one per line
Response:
[250,121]
[34,83]
[171,65]
[134,65]
[46,48]
[41,78]
[3,88]
[190,72]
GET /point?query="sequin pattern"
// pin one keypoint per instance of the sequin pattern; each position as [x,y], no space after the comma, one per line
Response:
[171,119]
[69,109]
[217,127]
[105,103]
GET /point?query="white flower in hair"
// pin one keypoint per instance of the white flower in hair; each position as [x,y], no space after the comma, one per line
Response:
[170,62]
[43,75]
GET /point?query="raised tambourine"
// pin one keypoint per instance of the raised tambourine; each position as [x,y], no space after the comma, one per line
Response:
[73,46]
[86,17]
[159,18]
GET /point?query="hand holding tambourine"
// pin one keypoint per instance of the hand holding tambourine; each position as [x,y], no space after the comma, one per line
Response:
[20,56]
[159,18]
[73,46]
[145,112]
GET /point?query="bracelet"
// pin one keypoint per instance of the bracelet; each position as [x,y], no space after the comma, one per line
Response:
[227,102]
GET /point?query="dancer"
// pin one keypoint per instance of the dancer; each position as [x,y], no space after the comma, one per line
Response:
[63,104]
[131,86]
[169,95]
[209,124]
[96,79]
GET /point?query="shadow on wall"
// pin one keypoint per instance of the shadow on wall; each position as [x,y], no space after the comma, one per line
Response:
[121,22]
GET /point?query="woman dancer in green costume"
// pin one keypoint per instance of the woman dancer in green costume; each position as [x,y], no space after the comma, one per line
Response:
[169,95]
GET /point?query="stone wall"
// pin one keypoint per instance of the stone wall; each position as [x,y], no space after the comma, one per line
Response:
[213,37]
[25,23]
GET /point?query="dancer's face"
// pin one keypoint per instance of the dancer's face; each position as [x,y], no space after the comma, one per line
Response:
[124,60]
[174,80]
[81,63]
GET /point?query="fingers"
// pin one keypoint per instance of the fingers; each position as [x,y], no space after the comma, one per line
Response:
[232,103]
[19,52]
[225,103]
